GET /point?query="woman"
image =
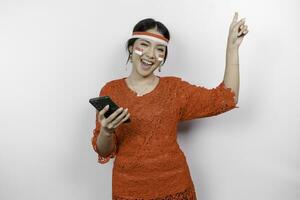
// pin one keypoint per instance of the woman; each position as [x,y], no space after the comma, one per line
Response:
[149,163]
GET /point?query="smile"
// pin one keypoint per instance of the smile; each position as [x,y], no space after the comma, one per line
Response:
[147,63]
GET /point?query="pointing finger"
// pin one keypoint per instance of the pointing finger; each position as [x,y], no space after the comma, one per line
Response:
[235,17]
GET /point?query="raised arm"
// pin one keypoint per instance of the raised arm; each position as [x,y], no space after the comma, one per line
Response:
[237,31]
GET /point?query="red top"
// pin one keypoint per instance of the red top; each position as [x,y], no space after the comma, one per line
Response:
[148,160]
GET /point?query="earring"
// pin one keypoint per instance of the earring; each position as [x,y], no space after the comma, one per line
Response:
[159,69]
[130,59]
[161,64]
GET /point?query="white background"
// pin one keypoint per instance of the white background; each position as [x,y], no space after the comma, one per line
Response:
[55,55]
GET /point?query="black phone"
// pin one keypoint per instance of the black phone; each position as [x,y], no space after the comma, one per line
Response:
[100,102]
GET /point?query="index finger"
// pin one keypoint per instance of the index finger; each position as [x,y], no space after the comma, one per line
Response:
[235,17]
[102,111]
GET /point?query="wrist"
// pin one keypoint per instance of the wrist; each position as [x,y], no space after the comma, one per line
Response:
[108,133]
[232,48]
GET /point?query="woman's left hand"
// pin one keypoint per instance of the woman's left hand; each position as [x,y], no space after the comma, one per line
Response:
[237,32]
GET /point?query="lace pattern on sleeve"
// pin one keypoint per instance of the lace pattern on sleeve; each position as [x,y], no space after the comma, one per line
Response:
[102,159]
[198,101]
[96,133]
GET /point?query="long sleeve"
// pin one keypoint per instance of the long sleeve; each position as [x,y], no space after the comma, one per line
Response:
[197,101]
[96,133]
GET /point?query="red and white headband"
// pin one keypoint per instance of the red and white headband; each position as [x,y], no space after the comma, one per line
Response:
[151,36]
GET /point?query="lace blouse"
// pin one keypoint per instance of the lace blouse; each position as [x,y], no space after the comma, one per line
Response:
[149,163]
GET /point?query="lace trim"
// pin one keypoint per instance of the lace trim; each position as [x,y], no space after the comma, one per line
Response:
[102,159]
[229,96]
[187,194]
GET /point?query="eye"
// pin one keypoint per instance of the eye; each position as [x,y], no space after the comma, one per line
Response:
[144,44]
[161,50]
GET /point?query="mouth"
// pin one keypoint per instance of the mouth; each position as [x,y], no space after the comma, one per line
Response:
[146,64]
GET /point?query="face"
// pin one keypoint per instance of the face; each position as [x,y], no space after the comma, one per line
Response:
[145,50]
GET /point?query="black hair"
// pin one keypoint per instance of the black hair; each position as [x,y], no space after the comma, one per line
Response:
[145,25]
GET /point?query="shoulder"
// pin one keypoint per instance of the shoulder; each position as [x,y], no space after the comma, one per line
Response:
[111,85]
[176,81]
[172,79]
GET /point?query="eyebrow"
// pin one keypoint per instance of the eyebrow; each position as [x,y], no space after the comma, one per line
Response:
[149,42]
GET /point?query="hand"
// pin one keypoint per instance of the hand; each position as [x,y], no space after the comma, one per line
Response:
[109,124]
[237,32]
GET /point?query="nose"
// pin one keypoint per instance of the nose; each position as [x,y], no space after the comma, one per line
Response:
[150,52]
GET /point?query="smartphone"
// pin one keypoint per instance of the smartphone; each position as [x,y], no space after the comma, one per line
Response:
[100,102]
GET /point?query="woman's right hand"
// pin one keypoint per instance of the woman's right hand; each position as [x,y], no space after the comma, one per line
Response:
[109,124]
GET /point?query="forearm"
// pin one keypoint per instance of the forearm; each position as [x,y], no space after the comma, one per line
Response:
[105,143]
[231,76]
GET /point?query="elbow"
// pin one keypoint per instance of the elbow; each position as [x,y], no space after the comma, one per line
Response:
[236,99]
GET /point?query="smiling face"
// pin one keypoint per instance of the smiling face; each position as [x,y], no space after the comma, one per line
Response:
[147,55]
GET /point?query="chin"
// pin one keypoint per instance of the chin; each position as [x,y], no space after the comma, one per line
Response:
[143,72]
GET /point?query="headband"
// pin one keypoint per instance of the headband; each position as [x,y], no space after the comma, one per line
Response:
[151,36]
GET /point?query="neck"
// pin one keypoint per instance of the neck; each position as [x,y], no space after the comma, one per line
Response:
[141,80]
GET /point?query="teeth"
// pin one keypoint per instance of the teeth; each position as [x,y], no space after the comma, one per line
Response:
[146,62]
